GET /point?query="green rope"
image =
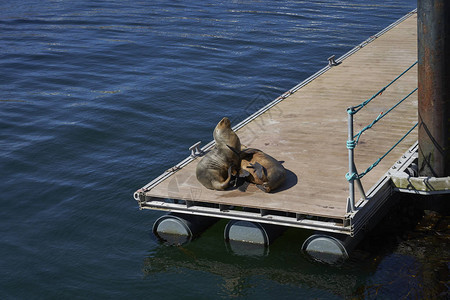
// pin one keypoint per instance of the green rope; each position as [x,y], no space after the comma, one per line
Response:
[358,107]
[351,177]
[354,176]
[351,144]
[380,116]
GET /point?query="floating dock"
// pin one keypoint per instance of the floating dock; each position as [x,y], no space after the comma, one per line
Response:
[307,128]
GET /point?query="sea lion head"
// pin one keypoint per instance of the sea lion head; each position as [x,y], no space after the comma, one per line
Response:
[225,123]
[224,135]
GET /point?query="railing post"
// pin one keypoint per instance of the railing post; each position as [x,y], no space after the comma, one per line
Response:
[351,163]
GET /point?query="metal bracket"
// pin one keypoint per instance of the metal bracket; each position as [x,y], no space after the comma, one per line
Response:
[139,196]
[350,206]
[332,62]
[195,150]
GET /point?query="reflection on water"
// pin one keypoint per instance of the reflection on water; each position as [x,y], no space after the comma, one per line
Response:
[406,256]
[283,264]
[411,247]
[247,249]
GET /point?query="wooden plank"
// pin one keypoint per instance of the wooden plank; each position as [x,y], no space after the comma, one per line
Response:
[308,131]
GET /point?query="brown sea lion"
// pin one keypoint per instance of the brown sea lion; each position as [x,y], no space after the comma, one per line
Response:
[261,169]
[215,169]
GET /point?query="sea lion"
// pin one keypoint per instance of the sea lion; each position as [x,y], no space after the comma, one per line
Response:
[259,168]
[215,170]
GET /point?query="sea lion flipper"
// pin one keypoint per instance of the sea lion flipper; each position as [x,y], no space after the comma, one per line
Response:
[250,150]
[243,187]
[263,187]
[259,170]
[246,153]
[243,173]
[234,150]
[232,178]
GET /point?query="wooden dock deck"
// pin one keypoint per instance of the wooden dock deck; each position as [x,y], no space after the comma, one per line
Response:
[308,131]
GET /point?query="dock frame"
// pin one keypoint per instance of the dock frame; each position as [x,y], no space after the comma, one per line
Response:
[351,225]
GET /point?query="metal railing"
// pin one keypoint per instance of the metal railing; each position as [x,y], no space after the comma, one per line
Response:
[353,139]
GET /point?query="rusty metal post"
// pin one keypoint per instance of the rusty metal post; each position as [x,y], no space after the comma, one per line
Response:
[433,28]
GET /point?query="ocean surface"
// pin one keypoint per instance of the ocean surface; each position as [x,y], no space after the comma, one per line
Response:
[97,98]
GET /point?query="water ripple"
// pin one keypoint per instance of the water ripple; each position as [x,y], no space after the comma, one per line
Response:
[99,97]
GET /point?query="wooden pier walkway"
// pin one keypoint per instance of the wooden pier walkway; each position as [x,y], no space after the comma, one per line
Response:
[308,131]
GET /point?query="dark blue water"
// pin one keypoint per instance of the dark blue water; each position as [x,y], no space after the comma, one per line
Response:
[99,97]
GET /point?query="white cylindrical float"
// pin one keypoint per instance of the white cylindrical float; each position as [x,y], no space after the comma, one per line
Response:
[251,238]
[177,229]
[329,248]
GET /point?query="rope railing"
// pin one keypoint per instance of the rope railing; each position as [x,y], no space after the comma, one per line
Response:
[360,106]
[353,140]
[361,175]
[380,116]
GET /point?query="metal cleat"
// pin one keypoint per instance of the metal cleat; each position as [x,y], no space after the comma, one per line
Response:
[332,62]
[195,150]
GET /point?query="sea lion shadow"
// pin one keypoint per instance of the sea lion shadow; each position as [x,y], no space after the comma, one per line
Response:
[290,181]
